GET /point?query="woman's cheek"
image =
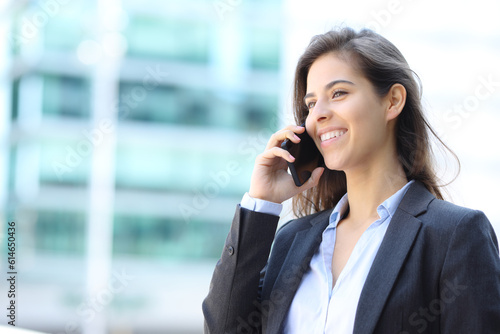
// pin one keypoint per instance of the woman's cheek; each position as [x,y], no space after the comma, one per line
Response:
[311,130]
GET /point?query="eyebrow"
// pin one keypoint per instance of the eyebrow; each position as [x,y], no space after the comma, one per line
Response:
[329,86]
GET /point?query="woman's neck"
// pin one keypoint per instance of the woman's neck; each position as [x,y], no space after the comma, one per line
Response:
[367,188]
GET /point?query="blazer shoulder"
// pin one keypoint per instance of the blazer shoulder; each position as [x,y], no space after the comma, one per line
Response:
[447,217]
[448,209]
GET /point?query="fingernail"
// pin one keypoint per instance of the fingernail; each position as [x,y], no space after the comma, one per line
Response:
[297,137]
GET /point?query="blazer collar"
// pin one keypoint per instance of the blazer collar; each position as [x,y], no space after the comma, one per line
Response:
[390,257]
[416,199]
[296,263]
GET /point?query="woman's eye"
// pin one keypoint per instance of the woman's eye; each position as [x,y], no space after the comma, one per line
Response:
[311,105]
[338,93]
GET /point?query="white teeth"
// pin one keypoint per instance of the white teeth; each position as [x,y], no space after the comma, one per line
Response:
[332,134]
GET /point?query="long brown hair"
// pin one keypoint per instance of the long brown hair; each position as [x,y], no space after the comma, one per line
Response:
[383,65]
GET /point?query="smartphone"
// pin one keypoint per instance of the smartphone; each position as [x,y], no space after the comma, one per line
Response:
[307,157]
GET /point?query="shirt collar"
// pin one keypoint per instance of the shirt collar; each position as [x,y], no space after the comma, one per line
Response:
[387,208]
[390,205]
[339,211]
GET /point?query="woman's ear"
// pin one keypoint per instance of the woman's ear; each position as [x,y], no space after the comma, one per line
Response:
[396,99]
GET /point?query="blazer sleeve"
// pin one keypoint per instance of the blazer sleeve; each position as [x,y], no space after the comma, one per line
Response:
[470,279]
[232,303]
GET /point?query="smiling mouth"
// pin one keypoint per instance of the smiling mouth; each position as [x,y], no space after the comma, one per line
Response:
[332,134]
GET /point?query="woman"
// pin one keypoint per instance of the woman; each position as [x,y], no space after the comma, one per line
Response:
[377,249]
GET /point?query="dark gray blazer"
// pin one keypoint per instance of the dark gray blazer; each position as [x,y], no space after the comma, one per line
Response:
[437,271]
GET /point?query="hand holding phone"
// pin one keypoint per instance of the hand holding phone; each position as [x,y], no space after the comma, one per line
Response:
[271,180]
[307,157]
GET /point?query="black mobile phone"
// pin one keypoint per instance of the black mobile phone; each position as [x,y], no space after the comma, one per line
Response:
[307,157]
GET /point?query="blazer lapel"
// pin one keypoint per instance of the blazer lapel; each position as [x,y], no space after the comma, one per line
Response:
[301,251]
[391,255]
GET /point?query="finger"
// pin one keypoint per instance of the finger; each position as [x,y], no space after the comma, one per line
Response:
[314,179]
[287,133]
[278,137]
[277,152]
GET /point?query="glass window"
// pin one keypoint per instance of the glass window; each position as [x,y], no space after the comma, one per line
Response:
[12,167]
[258,112]
[15,99]
[190,106]
[63,32]
[265,45]
[177,169]
[65,162]
[150,167]
[65,96]
[142,167]
[164,104]
[169,239]
[168,38]
[60,232]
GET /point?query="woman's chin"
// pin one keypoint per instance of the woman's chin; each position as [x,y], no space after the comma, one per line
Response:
[334,165]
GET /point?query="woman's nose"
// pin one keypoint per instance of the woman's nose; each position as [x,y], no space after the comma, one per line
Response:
[321,111]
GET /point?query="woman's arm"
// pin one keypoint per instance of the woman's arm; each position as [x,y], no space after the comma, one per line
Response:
[470,279]
[232,302]
[232,305]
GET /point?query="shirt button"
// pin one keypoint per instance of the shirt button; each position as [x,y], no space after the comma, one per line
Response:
[230,250]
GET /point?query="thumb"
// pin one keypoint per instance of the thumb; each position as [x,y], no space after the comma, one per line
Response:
[314,179]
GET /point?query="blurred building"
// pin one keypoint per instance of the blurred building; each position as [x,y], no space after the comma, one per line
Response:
[129,129]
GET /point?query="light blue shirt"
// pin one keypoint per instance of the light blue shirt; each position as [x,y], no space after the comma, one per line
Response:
[319,307]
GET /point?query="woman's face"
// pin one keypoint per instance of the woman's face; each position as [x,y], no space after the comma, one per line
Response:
[346,119]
